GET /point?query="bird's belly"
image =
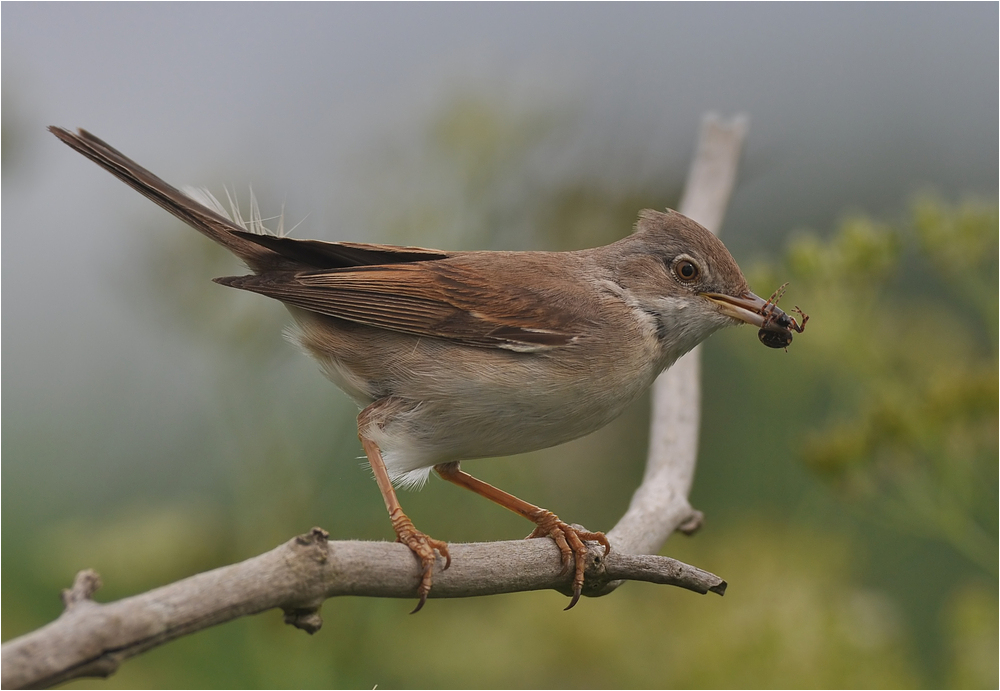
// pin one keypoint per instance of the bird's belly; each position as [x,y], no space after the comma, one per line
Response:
[487,423]
[515,404]
[452,402]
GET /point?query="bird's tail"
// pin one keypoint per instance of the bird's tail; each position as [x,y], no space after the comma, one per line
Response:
[197,215]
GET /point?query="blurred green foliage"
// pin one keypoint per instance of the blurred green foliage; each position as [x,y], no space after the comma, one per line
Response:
[906,340]
[881,416]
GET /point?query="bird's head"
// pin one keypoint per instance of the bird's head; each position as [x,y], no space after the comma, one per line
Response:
[684,277]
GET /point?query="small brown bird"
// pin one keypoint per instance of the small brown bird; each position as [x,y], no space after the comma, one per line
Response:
[461,355]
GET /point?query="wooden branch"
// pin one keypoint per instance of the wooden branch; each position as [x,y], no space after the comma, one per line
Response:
[92,639]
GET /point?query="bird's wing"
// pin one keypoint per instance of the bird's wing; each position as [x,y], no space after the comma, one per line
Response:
[331,255]
[450,299]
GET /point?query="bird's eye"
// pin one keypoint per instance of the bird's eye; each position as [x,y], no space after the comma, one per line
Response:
[686,270]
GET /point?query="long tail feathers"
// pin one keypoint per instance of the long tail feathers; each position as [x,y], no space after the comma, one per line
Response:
[200,217]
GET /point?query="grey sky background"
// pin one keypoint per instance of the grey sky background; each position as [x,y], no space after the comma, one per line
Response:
[852,107]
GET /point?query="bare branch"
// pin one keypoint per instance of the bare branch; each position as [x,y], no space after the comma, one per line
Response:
[91,639]
[713,170]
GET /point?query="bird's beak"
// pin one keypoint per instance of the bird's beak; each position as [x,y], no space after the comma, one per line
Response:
[748,308]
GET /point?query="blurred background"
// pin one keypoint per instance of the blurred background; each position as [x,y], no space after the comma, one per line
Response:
[157,424]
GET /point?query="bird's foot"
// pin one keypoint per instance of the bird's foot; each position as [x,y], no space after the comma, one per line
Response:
[569,540]
[423,546]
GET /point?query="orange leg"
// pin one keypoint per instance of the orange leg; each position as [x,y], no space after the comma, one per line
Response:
[568,539]
[422,545]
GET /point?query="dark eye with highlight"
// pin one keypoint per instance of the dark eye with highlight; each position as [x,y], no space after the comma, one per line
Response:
[686,270]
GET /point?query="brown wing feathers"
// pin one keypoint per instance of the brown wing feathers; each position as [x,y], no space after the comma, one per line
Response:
[432,299]
[406,289]
[331,255]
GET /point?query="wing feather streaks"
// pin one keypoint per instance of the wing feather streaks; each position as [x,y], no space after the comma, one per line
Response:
[438,298]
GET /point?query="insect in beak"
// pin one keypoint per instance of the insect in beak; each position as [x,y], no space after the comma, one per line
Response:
[775,327]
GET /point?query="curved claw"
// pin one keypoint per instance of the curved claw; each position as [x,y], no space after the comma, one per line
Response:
[423,547]
[570,541]
[574,600]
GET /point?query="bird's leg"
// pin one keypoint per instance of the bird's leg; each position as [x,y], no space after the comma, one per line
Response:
[422,545]
[568,539]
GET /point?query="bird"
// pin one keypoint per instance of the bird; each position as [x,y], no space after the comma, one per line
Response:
[458,355]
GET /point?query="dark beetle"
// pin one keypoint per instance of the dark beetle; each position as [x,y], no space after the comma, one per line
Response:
[776,331]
